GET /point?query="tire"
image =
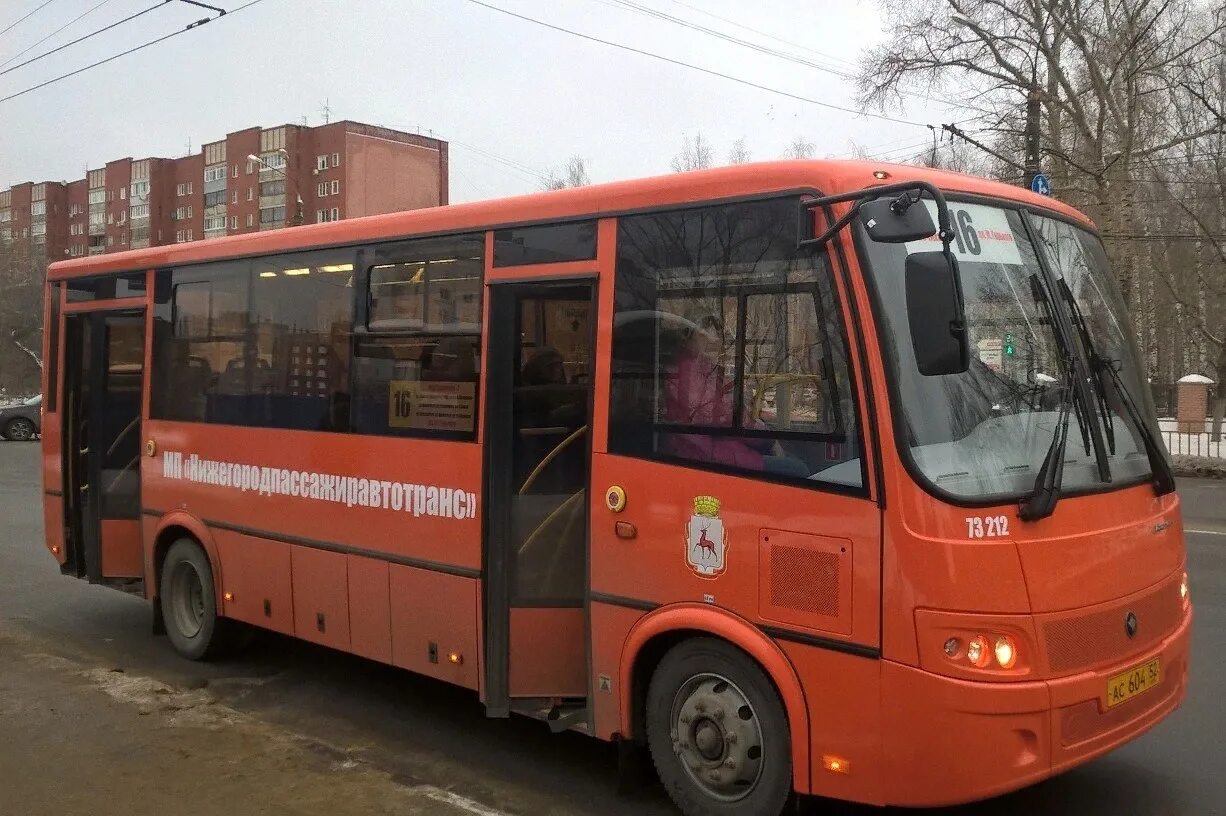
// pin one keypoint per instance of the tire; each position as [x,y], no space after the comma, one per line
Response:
[709,704]
[188,600]
[20,430]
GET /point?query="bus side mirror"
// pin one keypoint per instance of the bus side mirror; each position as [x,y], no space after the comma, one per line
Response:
[936,314]
[891,221]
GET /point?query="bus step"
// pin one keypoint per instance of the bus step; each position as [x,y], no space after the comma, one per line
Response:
[564,717]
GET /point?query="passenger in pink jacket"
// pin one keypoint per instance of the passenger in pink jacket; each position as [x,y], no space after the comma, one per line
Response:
[699,392]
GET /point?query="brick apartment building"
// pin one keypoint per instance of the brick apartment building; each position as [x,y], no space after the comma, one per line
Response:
[341,170]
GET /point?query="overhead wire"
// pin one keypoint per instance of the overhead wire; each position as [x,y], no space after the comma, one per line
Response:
[32,12]
[74,20]
[113,57]
[709,71]
[59,48]
[631,5]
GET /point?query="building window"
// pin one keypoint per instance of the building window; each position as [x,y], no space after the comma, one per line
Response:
[234,222]
[250,220]
[180,236]
[272,188]
[272,215]
[250,193]
[323,189]
[216,199]
[38,208]
[250,164]
[321,162]
[110,240]
[234,172]
[234,197]
[336,214]
[214,223]
[214,173]
[123,193]
[139,211]
[336,159]
[336,188]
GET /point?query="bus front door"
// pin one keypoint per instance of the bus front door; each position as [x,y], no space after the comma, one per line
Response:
[537,471]
[103,388]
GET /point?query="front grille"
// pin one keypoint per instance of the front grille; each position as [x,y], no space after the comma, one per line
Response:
[1084,641]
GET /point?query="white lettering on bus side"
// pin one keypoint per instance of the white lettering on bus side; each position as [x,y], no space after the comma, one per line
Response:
[418,499]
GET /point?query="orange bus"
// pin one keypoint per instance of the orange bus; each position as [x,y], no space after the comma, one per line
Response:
[812,477]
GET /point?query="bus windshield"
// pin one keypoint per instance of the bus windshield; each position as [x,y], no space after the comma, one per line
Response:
[982,434]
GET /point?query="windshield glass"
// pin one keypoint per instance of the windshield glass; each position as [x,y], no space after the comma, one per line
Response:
[34,400]
[1077,257]
[983,433]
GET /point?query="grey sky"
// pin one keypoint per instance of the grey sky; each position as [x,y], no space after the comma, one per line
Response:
[489,83]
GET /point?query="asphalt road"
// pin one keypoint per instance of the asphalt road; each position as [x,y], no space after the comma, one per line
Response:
[428,733]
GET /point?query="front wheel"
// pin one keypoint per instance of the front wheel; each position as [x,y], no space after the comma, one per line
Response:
[718,732]
[20,430]
[189,602]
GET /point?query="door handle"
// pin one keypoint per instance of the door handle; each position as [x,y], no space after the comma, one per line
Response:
[83,450]
[83,488]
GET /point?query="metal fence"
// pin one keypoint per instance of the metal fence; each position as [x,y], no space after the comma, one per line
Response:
[1181,443]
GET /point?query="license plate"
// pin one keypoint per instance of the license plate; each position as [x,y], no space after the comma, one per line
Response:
[1141,678]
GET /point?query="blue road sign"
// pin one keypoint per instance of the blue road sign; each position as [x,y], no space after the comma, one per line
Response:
[1040,184]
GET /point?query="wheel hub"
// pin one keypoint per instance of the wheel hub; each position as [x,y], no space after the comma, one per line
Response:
[717,737]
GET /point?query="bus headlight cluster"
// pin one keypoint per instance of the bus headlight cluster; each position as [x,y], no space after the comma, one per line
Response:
[984,652]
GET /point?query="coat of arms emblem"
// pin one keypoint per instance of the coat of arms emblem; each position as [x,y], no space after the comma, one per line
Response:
[705,543]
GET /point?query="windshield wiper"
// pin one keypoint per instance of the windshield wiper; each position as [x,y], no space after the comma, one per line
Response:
[1105,371]
[1042,500]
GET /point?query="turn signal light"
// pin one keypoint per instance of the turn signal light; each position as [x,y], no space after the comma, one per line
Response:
[836,764]
[228,597]
[456,658]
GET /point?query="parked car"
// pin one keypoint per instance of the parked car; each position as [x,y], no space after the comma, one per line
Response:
[21,422]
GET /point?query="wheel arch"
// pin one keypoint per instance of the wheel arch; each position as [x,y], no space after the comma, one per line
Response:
[660,630]
[172,527]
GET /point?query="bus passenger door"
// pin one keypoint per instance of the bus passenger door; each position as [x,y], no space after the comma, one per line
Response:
[537,471]
[103,388]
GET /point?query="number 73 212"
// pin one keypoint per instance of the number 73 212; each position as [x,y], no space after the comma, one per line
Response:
[987,526]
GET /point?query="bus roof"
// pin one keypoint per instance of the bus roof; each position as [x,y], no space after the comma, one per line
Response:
[597,200]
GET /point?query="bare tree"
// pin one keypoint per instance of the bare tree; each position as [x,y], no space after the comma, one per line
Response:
[800,148]
[696,154]
[1131,109]
[573,175]
[22,272]
[739,152]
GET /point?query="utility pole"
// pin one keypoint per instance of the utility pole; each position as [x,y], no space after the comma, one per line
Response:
[1034,111]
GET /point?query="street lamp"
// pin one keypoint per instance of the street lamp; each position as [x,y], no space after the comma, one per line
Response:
[298,217]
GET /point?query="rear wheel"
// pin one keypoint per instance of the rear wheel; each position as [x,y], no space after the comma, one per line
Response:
[20,430]
[718,732]
[189,603]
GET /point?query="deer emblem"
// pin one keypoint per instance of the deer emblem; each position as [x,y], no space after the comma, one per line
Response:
[705,537]
[704,544]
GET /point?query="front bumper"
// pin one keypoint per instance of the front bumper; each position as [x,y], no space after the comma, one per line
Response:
[949,741]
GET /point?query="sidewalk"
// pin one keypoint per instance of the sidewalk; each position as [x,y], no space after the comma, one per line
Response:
[76,739]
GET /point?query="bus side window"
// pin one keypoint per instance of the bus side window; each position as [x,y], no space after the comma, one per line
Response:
[728,347]
[415,364]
